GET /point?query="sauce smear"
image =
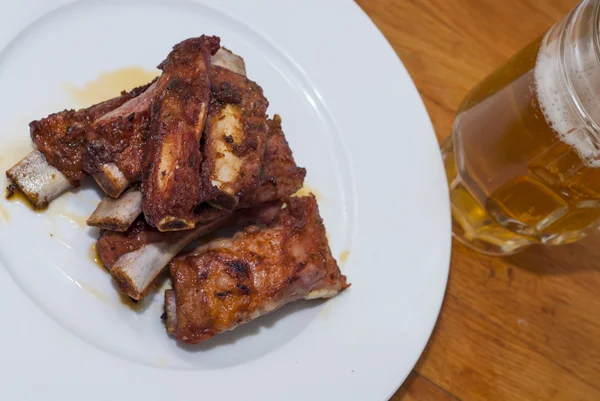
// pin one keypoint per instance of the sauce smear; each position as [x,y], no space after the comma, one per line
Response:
[110,84]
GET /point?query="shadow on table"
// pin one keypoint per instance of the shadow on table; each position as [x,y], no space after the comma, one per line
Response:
[563,259]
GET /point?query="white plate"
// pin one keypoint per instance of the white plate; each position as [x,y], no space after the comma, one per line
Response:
[354,120]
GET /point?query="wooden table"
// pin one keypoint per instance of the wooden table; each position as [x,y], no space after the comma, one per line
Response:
[521,328]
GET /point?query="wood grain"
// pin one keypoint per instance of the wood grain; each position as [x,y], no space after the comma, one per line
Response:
[520,328]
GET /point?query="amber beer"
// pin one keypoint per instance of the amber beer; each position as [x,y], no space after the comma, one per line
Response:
[523,161]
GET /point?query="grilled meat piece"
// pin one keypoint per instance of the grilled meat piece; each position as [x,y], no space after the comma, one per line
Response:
[280,176]
[229,282]
[114,143]
[61,136]
[172,158]
[235,138]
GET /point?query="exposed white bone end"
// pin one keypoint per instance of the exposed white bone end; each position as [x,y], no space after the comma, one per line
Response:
[117,214]
[112,181]
[38,180]
[227,59]
[170,312]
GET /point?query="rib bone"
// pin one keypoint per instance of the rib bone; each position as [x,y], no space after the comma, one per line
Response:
[38,180]
[111,179]
[227,59]
[170,312]
[117,214]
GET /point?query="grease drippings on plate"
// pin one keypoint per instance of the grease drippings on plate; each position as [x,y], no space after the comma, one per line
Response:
[13,194]
[4,214]
[95,258]
[110,84]
[344,256]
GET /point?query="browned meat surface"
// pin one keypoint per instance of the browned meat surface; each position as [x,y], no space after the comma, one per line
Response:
[61,136]
[172,158]
[118,137]
[112,245]
[280,176]
[229,282]
[235,138]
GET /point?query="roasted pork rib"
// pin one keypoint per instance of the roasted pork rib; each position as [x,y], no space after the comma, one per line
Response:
[114,143]
[172,158]
[235,138]
[58,162]
[61,136]
[229,282]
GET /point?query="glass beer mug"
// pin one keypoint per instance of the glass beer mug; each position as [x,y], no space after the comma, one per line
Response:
[523,161]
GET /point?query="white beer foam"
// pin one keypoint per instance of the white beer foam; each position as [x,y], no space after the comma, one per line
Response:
[556,102]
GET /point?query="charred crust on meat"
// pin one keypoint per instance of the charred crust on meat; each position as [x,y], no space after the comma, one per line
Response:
[239,268]
[243,288]
[10,190]
[177,121]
